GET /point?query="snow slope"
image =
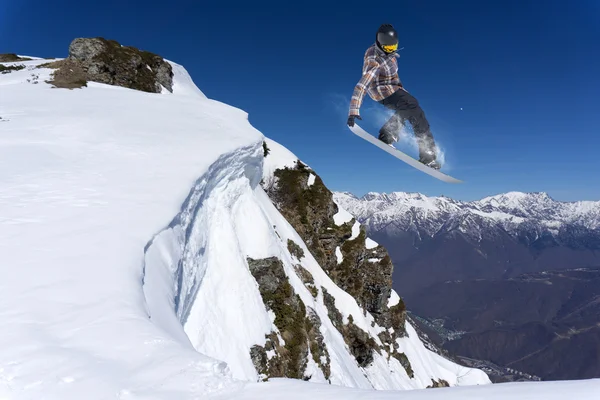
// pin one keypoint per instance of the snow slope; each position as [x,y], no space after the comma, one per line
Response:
[87,178]
[296,390]
[125,220]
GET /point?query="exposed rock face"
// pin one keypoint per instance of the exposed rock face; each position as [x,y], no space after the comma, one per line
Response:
[364,273]
[317,342]
[401,357]
[299,331]
[360,344]
[106,61]
[7,70]
[11,57]
[85,50]
[438,384]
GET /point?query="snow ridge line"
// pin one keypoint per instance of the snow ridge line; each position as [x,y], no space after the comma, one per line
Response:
[244,162]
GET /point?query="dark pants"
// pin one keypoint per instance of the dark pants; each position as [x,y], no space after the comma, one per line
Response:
[406,107]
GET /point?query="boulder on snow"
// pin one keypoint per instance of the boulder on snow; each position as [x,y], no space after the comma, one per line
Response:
[11,57]
[107,61]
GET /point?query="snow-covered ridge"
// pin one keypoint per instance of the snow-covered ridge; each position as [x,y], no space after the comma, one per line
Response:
[89,176]
[511,211]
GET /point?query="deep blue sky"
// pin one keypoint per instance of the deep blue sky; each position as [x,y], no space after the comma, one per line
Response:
[525,73]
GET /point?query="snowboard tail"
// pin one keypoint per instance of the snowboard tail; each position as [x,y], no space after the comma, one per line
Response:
[358,131]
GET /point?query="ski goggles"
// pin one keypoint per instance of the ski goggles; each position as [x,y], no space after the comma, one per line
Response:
[390,48]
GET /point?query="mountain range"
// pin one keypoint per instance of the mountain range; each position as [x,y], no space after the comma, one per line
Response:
[498,236]
[510,279]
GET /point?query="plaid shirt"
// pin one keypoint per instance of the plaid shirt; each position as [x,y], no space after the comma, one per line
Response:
[380,78]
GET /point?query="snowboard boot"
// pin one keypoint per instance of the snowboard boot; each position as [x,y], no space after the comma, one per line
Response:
[429,159]
[432,164]
[387,137]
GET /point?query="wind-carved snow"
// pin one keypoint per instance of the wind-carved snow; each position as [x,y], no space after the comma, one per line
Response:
[338,255]
[311,179]
[211,270]
[279,157]
[370,243]
[355,230]
[342,216]
[394,299]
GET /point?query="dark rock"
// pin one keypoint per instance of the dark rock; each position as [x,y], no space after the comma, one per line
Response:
[85,50]
[438,384]
[304,275]
[310,210]
[290,315]
[164,74]
[7,70]
[258,354]
[268,272]
[401,357]
[295,249]
[361,345]
[106,61]
[318,348]
[11,57]
[332,312]
[307,278]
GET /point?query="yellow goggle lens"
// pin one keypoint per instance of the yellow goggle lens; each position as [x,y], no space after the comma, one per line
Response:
[390,48]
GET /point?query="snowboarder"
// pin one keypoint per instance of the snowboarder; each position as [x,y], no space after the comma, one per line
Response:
[380,80]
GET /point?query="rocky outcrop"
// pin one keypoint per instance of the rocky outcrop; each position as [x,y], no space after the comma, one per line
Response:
[316,341]
[361,345]
[8,69]
[107,61]
[298,328]
[438,384]
[11,57]
[364,273]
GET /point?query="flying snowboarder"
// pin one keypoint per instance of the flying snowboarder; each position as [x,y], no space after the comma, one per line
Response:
[380,80]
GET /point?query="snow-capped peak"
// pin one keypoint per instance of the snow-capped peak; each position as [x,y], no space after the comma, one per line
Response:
[516,199]
[509,210]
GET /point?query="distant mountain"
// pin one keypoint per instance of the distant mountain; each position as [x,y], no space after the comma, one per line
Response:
[513,279]
[435,239]
[547,323]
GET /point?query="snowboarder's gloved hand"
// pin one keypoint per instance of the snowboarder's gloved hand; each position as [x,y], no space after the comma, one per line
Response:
[351,119]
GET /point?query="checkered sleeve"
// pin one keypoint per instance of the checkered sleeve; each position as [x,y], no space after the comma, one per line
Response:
[370,69]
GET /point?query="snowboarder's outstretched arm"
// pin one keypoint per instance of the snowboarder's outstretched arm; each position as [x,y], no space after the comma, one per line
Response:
[370,68]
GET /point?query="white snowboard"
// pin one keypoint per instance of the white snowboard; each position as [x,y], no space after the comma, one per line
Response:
[358,131]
